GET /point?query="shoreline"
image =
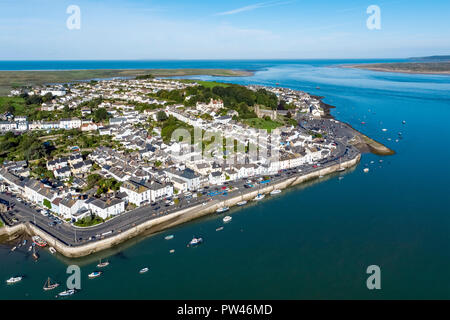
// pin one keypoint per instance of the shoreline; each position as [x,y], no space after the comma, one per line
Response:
[363,143]
[171,220]
[404,71]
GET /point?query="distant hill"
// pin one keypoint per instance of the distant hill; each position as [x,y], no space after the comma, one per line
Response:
[424,67]
[431,58]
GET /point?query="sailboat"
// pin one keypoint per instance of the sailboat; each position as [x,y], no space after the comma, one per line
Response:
[340,168]
[102,264]
[49,285]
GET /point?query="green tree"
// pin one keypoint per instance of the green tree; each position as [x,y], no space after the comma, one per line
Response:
[100,114]
[47,203]
[161,116]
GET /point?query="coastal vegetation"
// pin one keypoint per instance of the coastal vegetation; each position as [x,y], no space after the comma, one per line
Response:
[23,147]
[104,185]
[170,124]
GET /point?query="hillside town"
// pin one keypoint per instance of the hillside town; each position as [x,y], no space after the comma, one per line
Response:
[150,167]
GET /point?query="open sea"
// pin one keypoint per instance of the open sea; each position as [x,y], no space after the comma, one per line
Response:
[314,241]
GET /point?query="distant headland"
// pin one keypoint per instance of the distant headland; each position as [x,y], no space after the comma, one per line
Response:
[420,65]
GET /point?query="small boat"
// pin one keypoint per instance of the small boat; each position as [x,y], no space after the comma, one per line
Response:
[341,169]
[404,122]
[49,285]
[195,242]
[366,170]
[169,237]
[24,243]
[52,250]
[30,248]
[363,122]
[172,251]
[95,274]
[13,280]
[222,210]
[276,191]
[39,241]
[242,203]
[35,254]
[13,249]
[67,293]
[144,270]
[384,130]
[102,264]
[219,229]
[340,178]
[259,197]
[227,219]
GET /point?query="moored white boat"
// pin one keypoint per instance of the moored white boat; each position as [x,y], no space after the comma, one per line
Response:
[276,191]
[52,250]
[95,274]
[67,293]
[219,229]
[195,242]
[102,264]
[241,203]
[169,237]
[366,170]
[227,219]
[143,270]
[13,280]
[259,197]
[222,210]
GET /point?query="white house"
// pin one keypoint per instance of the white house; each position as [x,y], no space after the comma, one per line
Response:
[107,208]
[138,194]
[68,207]
[72,123]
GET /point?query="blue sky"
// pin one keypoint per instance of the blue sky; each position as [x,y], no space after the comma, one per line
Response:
[250,29]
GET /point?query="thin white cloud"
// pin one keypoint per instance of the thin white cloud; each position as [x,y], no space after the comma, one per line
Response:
[253,7]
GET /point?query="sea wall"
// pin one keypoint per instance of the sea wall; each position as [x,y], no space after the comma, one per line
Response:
[175,218]
[8,233]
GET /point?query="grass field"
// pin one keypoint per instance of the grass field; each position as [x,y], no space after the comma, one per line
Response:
[208,84]
[17,102]
[11,79]
[259,123]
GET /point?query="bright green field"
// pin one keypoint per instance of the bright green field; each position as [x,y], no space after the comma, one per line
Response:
[17,102]
[262,124]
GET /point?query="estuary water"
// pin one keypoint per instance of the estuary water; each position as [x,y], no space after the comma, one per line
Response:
[313,241]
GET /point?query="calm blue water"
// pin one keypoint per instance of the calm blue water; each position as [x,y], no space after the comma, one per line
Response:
[165,64]
[313,241]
